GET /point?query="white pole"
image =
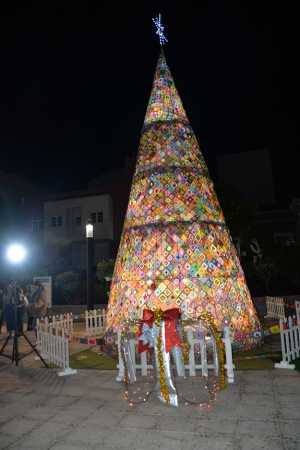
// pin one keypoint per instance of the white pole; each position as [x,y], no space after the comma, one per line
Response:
[121,374]
[228,352]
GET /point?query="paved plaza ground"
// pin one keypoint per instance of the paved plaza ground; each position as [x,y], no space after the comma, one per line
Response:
[39,410]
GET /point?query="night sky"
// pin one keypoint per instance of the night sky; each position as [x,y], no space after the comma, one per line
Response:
[75,82]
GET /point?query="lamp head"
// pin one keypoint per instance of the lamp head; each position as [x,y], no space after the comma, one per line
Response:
[89,229]
[16,253]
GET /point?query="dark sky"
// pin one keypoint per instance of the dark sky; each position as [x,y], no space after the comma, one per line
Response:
[75,82]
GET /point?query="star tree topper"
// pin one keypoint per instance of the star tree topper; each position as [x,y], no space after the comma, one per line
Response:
[160,30]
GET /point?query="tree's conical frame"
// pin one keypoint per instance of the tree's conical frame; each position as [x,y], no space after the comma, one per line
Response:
[175,250]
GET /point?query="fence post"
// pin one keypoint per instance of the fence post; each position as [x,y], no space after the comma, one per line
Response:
[228,354]
[86,322]
[203,352]
[66,359]
[192,366]
[297,306]
[144,364]
[121,374]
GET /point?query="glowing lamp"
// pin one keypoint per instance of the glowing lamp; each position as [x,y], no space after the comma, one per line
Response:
[16,253]
[89,230]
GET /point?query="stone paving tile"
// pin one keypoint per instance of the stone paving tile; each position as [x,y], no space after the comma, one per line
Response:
[178,441]
[287,400]
[252,411]
[20,445]
[105,394]
[35,399]
[289,428]
[252,389]
[118,404]
[6,439]
[73,415]
[18,426]
[216,426]
[258,443]
[141,422]
[227,410]
[291,444]
[257,398]
[102,420]
[40,413]
[60,446]
[43,436]
[61,401]
[290,412]
[259,428]
[94,437]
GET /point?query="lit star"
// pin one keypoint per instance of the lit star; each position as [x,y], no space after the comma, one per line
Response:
[160,30]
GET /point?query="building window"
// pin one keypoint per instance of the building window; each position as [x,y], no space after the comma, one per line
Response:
[56,221]
[284,239]
[97,217]
[78,221]
[37,225]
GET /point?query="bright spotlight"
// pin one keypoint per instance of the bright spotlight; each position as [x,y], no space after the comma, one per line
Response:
[16,253]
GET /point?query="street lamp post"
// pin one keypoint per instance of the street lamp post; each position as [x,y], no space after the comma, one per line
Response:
[89,233]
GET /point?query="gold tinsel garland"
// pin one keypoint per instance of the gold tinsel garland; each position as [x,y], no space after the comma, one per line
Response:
[207,318]
[162,376]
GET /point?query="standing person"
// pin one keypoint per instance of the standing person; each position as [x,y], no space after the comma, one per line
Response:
[41,303]
[8,313]
[23,309]
[35,305]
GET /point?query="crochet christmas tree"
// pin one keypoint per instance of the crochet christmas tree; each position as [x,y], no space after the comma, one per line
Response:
[175,250]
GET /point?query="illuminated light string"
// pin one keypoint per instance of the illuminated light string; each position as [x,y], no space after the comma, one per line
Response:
[160,30]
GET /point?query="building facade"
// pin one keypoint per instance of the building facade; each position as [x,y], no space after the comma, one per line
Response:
[65,218]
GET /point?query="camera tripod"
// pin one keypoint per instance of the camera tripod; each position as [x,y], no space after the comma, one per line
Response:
[15,356]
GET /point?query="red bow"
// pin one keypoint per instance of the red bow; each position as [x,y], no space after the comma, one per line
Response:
[170,317]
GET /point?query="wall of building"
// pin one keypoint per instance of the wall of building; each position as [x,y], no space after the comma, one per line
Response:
[65,219]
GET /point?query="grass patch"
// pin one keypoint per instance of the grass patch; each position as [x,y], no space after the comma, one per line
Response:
[297,364]
[260,358]
[87,359]
[254,364]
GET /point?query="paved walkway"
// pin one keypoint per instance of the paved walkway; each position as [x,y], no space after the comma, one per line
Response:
[39,410]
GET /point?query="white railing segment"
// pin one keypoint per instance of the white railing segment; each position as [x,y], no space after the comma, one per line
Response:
[290,340]
[61,324]
[201,341]
[95,321]
[275,308]
[54,347]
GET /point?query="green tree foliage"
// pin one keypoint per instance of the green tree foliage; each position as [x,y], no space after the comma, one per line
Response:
[237,211]
[105,269]
[67,287]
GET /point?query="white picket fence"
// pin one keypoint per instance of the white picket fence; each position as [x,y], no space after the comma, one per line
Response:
[202,341]
[95,322]
[275,308]
[290,339]
[53,344]
[60,324]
